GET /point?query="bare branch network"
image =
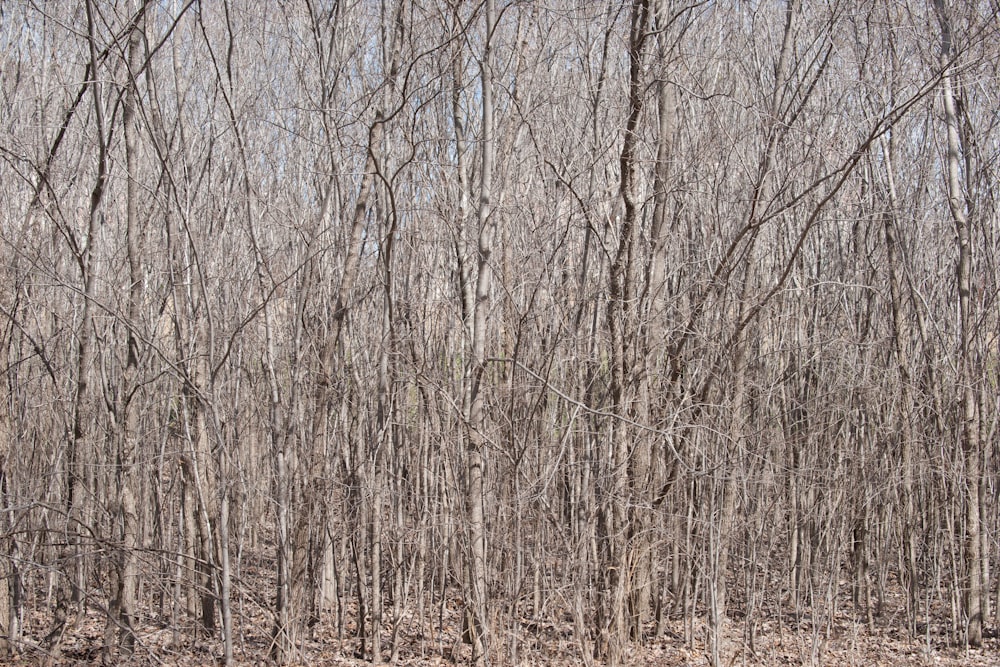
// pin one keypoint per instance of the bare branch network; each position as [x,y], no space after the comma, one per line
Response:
[502,332]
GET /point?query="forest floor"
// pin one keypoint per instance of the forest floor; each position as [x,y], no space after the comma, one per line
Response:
[852,646]
[432,637]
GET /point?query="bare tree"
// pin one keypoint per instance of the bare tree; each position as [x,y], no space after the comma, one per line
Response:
[959,207]
[497,332]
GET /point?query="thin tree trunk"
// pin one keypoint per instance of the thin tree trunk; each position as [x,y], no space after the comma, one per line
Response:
[958,204]
[479,630]
[125,602]
[622,327]
[900,338]
[73,569]
[10,575]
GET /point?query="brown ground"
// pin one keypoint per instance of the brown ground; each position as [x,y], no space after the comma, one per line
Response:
[436,642]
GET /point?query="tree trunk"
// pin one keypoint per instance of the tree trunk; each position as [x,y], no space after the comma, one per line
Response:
[478,617]
[72,567]
[900,341]
[969,419]
[622,330]
[125,601]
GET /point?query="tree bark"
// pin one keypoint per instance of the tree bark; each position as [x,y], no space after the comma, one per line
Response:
[617,577]
[959,206]
[125,603]
[478,604]
[72,568]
